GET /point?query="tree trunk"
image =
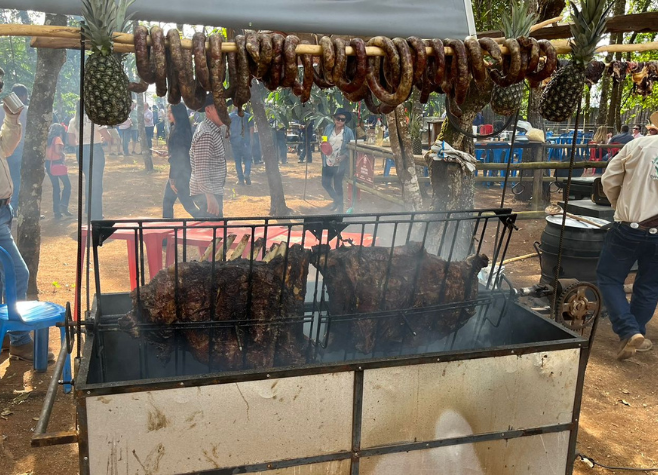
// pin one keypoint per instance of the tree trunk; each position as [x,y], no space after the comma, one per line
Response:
[453,188]
[147,156]
[614,119]
[39,119]
[601,119]
[268,148]
[405,167]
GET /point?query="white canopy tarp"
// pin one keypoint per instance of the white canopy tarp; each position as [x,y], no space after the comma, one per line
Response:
[424,18]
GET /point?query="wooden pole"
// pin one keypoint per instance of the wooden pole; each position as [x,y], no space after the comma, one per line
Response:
[66,32]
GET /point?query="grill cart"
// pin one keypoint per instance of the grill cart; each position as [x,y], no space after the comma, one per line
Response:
[405,363]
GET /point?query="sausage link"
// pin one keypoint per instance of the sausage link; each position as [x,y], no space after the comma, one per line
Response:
[217,73]
[322,77]
[340,61]
[550,63]
[173,95]
[290,61]
[266,51]
[160,60]
[426,87]
[143,60]
[252,48]
[328,59]
[193,93]
[358,95]
[492,49]
[476,60]
[232,62]
[176,65]
[201,71]
[242,93]
[439,60]
[353,82]
[419,56]
[530,45]
[272,77]
[512,65]
[138,87]
[381,108]
[460,75]
[303,89]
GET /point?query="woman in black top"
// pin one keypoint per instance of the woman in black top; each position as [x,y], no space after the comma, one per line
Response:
[178,185]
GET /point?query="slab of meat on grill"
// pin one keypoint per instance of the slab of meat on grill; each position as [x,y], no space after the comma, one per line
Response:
[241,293]
[357,283]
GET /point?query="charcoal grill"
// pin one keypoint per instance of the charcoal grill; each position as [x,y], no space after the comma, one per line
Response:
[499,394]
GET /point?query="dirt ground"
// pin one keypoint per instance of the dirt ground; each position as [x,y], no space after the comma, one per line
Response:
[619,409]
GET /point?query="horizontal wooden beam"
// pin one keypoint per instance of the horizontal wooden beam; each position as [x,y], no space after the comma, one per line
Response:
[638,22]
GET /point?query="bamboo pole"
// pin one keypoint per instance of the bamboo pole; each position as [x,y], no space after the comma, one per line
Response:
[52,36]
[545,23]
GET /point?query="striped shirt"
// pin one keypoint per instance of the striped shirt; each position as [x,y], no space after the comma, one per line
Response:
[208,159]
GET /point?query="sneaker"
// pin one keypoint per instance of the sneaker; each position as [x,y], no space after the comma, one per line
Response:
[645,346]
[247,180]
[66,212]
[629,346]
[26,353]
[239,183]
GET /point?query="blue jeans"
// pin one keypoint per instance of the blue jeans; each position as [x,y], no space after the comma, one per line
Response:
[22,274]
[125,135]
[242,154]
[622,247]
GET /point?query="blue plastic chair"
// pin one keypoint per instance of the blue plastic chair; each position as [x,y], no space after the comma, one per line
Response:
[390,163]
[30,316]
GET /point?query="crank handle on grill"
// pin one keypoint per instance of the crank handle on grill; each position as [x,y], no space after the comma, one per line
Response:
[41,438]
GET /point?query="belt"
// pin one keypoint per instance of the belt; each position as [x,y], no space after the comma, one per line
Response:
[640,227]
[5,201]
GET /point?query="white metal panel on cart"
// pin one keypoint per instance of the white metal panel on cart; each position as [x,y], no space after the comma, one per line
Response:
[200,428]
[421,403]
[544,454]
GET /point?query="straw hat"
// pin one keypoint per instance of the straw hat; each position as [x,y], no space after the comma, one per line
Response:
[653,124]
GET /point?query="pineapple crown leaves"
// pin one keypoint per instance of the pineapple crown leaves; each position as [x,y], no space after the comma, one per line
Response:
[587,28]
[102,19]
[518,22]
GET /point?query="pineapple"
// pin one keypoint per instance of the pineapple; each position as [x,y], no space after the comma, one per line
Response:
[507,100]
[106,95]
[561,96]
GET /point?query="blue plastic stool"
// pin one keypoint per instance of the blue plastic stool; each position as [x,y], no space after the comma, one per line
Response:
[33,316]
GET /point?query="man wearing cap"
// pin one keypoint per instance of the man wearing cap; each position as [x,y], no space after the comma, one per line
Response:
[631,184]
[334,157]
[208,161]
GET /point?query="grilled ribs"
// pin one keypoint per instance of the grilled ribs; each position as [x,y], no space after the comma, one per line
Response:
[362,280]
[242,293]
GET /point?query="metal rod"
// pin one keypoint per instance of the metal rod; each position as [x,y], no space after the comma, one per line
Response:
[79,263]
[51,394]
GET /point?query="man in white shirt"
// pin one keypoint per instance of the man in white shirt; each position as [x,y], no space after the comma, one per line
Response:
[637,132]
[631,184]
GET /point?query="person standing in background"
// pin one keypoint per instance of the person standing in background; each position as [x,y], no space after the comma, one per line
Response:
[125,134]
[15,160]
[180,170]
[208,163]
[100,134]
[148,125]
[637,131]
[57,171]
[334,162]
[134,133]
[242,129]
[256,154]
